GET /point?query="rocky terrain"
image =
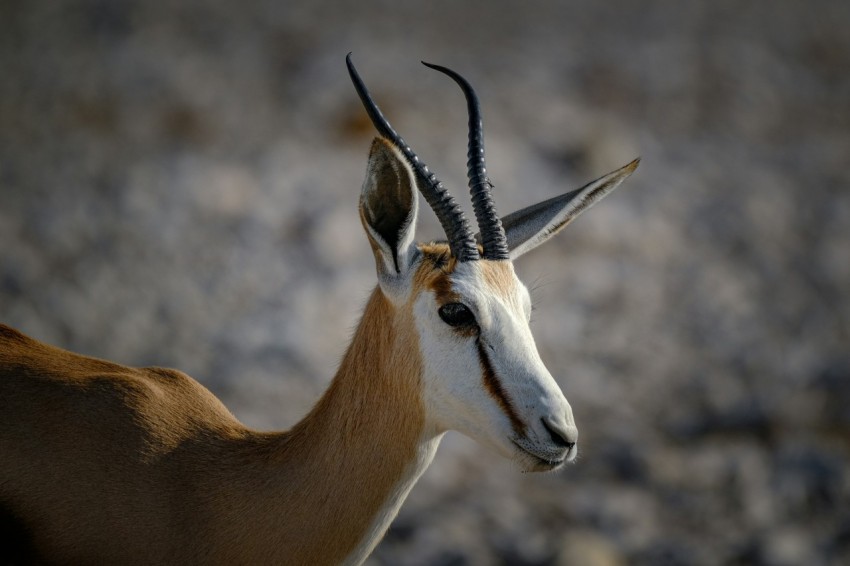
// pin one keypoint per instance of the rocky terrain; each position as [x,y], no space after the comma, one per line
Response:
[178,187]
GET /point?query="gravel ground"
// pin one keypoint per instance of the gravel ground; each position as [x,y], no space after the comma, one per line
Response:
[178,183]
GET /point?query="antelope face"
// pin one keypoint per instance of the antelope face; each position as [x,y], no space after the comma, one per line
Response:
[481,372]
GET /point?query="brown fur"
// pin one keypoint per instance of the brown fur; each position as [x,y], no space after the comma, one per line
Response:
[435,272]
[500,279]
[103,463]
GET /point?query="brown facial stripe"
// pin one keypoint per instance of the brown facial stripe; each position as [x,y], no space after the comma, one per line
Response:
[435,274]
[494,388]
[441,284]
[435,271]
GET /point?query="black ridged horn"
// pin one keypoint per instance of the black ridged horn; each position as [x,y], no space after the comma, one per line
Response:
[448,212]
[492,234]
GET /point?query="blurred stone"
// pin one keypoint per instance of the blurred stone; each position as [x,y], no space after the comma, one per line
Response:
[788,547]
[587,548]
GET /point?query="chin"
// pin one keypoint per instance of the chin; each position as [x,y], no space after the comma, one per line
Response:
[531,462]
[536,465]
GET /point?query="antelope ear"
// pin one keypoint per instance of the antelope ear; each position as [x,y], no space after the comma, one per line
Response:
[388,208]
[528,228]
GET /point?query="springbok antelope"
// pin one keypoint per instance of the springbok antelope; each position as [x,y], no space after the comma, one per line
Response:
[102,463]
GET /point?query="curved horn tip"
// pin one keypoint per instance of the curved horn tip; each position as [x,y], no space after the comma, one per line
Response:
[432,65]
[453,74]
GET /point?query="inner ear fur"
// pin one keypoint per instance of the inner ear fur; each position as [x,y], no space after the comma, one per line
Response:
[387,209]
[388,204]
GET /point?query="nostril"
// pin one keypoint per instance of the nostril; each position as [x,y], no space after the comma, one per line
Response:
[560,437]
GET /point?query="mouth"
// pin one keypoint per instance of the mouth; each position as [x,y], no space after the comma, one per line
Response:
[543,463]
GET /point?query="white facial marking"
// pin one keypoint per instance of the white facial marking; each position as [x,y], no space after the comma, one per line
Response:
[488,381]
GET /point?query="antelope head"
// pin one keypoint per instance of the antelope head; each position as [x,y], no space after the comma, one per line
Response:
[481,372]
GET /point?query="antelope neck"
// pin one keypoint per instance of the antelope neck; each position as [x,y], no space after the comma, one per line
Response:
[349,464]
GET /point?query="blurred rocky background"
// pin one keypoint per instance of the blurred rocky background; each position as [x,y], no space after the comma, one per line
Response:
[178,187]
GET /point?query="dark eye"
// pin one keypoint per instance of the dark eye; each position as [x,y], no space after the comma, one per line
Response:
[456,314]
